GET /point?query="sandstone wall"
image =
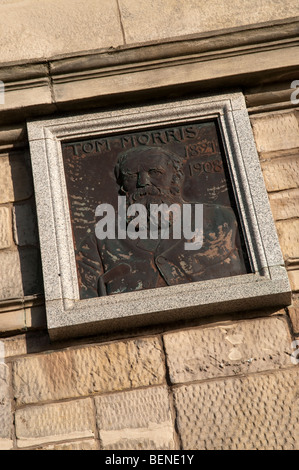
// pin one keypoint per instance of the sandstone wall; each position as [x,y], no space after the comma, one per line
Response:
[33,29]
[226,382]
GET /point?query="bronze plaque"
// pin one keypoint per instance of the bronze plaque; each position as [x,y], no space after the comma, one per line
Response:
[181,166]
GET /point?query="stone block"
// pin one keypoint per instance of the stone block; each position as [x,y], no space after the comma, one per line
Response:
[26,343]
[12,135]
[6,194]
[26,86]
[15,179]
[15,345]
[6,427]
[288,234]
[229,349]
[258,412]
[5,228]
[148,21]
[10,275]
[21,176]
[12,321]
[136,420]
[56,27]
[25,224]
[285,204]
[21,319]
[294,279]
[277,131]
[294,315]
[71,420]
[281,173]
[83,371]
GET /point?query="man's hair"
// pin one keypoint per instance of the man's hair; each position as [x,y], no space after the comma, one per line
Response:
[176,160]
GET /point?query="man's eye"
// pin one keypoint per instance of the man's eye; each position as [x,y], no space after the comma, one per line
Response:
[155,172]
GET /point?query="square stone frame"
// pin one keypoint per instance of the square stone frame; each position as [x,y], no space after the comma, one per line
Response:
[68,315]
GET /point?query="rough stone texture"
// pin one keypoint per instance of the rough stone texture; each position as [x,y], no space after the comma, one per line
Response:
[276,131]
[15,179]
[10,275]
[281,173]
[254,412]
[294,315]
[6,425]
[25,224]
[146,21]
[54,422]
[83,371]
[26,343]
[54,27]
[294,279]
[5,228]
[229,349]
[285,204]
[6,194]
[288,234]
[136,420]
[20,273]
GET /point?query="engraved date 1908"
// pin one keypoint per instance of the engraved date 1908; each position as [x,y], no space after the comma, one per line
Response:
[197,168]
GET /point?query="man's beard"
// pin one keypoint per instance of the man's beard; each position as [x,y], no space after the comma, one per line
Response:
[152,195]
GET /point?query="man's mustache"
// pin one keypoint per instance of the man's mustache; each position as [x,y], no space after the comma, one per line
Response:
[152,195]
[146,191]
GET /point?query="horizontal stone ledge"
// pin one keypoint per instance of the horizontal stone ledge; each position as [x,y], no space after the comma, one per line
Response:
[238,56]
[25,319]
[23,314]
[26,72]
[269,94]
[233,39]
[9,305]
[221,39]
[227,70]
[181,302]
[13,137]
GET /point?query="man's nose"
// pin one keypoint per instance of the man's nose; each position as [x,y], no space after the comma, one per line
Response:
[143,179]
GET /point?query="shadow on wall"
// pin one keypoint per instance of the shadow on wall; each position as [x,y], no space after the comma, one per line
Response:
[24,221]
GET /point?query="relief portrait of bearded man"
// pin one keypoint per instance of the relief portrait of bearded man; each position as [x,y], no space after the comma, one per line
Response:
[147,176]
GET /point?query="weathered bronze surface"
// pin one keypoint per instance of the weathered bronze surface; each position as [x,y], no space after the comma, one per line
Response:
[183,164]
